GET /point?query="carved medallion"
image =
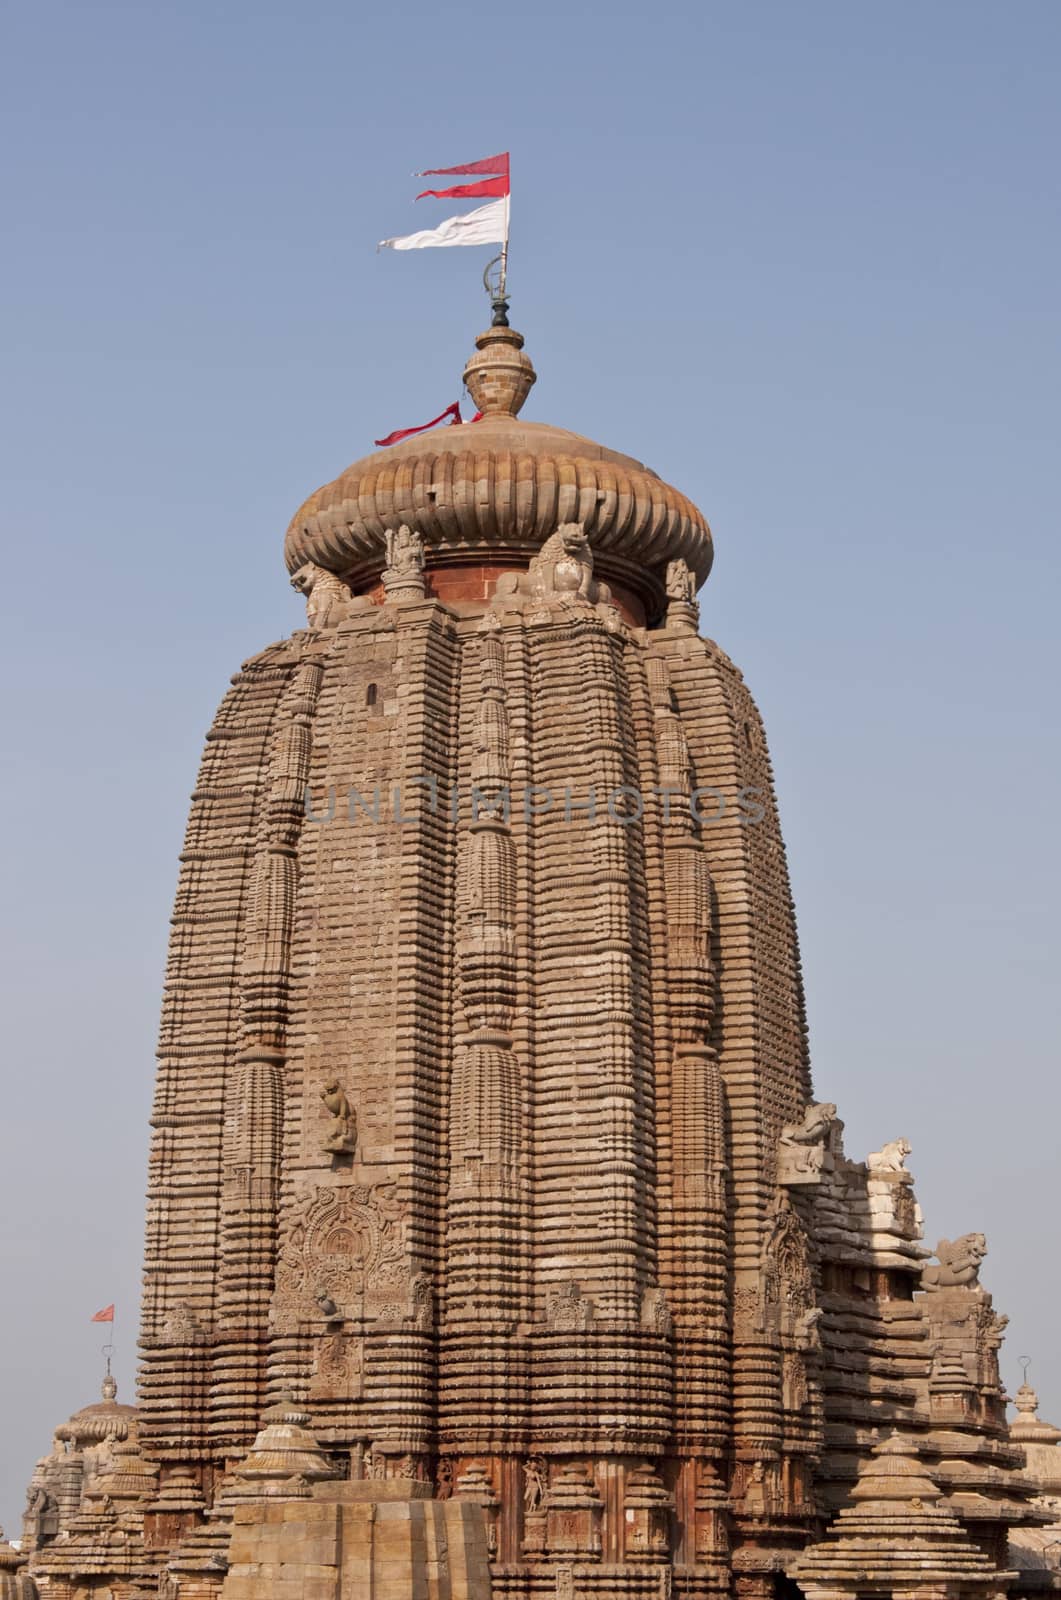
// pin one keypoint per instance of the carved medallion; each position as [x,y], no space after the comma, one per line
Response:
[347,1244]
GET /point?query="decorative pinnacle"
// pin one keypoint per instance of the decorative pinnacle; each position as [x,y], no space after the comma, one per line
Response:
[499,376]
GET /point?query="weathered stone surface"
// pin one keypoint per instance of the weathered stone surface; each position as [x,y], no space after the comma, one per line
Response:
[372,1547]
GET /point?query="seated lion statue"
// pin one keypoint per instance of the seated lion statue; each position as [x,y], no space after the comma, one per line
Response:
[959,1263]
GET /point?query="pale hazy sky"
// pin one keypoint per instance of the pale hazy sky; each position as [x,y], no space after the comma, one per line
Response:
[802,259]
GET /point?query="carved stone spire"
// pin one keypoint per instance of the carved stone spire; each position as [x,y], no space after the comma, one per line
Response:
[499,377]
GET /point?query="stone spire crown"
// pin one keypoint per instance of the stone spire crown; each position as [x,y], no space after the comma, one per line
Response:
[489,495]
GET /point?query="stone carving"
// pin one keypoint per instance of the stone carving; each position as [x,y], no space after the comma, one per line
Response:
[959,1263]
[891,1158]
[339,1370]
[807,1333]
[41,1518]
[564,566]
[421,1312]
[403,576]
[803,1146]
[326,595]
[345,1242]
[340,1137]
[562,570]
[990,1328]
[680,582]
[569,1311]
[756,1496]
[182,1326]
[786,1268]
[533,1483]
[655,1313]
[795,1393]
[444,1480]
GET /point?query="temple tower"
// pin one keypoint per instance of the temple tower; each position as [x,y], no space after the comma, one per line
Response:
[485,1165]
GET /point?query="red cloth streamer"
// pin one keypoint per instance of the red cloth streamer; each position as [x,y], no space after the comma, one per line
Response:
[492,164]
[469,191]
[106,1315]
[453,412]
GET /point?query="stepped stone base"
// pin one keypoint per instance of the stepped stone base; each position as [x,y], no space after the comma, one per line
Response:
[359,1541]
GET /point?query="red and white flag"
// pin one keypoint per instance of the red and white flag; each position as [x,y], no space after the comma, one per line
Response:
[485,225]
[106,1315]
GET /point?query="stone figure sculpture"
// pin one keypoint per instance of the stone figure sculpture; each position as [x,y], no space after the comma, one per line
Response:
[326,595]
[534,1484]
[680,581]
[679,585]
[564,565]
[891,1157]
[403,576]
[341,1135]
[563,568]
[802,1145]
[807,1334]
[959,1263]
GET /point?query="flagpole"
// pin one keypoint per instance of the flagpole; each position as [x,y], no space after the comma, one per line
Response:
[108,1348]
[504,252]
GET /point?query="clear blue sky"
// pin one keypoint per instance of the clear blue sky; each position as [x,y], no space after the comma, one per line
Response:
[802,259]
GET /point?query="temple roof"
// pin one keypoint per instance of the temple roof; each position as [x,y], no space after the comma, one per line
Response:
[106,1419]
[1038,1439]
[499,490]
[897,1533]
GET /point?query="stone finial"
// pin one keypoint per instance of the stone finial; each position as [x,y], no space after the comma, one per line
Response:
[499,377]
[1026,1400]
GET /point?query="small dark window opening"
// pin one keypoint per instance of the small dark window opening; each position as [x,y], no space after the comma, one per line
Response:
[370,695]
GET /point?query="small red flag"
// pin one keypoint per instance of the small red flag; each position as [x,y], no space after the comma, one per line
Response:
[453,412]
[493,164]
[468,191]
[106,1315]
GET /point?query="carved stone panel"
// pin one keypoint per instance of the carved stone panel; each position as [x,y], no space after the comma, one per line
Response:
[347,1244]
